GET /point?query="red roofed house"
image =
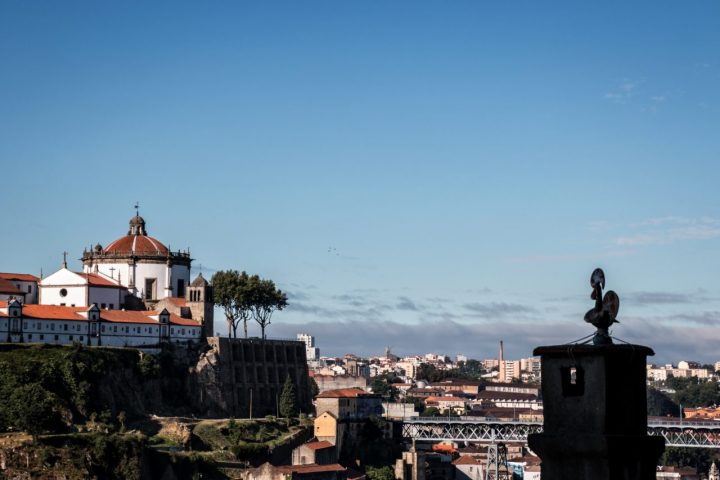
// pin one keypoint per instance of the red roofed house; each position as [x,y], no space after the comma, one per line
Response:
[318,453]
[71,289]
[9,291]
[445,404]
[267,471]
[21,286]
[468,467]
[349,404]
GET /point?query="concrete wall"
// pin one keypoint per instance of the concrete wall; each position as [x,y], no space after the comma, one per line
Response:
[249,374]
[335,382]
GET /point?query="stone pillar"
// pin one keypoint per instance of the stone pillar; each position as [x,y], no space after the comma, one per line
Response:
[411,466]
[595,414]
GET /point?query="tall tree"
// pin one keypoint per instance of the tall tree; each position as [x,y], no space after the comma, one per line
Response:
[231,292]
[288,400]
[265,299]
[313,387]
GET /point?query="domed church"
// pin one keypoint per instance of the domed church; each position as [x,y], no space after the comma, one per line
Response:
[142,263]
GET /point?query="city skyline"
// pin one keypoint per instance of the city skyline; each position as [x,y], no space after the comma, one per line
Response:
[434,178]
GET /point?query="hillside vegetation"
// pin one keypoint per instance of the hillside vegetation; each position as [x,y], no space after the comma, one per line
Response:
[51,388]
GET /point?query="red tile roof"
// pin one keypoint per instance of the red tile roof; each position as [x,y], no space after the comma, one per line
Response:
[9,288]
[142,244]
[96,280]
[467,460]
[142,316]
[177,301]
[55,312]
[23,277]
[318,445]
[343,393]
[445,399]
[493,395]
[312,468]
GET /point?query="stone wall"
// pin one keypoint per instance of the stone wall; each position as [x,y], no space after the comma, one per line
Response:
[335,382]
[245,377]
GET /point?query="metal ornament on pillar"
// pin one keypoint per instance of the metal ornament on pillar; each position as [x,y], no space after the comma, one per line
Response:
[604,314]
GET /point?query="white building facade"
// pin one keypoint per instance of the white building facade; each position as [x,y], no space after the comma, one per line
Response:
[143,264]
[63,325]
[312,353]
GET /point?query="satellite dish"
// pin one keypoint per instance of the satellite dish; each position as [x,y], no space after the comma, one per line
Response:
[611,303]
[597,278]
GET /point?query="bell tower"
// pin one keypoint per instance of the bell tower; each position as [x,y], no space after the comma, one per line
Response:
[199,297]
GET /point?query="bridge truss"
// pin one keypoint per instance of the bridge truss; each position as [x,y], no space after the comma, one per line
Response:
[466,429]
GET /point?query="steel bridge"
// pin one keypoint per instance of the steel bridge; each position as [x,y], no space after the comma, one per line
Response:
[677,433]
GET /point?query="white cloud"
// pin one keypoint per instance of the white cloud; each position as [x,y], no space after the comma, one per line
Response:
[670,229]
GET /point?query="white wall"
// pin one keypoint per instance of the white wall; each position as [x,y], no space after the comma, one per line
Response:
[143,271]
[52,295]
[113,334]
[52,286]
[107,296]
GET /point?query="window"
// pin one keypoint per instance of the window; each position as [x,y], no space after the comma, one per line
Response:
[111,306]
[62,304]
[572,381]
[71,337]
[63,292]
[115,328]
[24,324]
[81,338]
[57,337]
[29,288]
[65,325]
[52,326]
[42,337]
[150,289]
[102,305]
[103,328]
[29,336]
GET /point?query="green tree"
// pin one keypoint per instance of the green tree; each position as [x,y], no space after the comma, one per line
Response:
[384,389]
[699,458]
[288,400]
[265,299]
[231,291]
[430,412]
[32,409]
[660,405]
[313,387]
[380,473]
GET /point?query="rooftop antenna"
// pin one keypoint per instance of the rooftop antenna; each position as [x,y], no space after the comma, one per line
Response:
[64,259]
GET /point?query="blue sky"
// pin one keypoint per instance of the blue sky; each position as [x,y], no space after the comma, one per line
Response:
[435,176]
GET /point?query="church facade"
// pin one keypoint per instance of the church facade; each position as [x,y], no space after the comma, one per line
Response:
[134,292]
[141,263]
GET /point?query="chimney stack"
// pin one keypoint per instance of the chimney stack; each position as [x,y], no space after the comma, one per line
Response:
[501,363]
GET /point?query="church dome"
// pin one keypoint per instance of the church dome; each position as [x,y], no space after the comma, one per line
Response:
[137,241]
